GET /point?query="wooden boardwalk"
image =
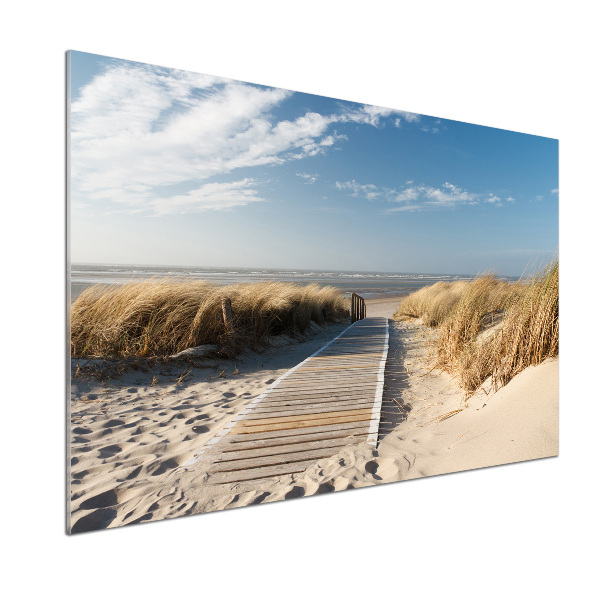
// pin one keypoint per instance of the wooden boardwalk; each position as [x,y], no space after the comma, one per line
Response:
[328,401]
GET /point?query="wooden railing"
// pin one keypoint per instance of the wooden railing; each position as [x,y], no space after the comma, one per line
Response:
[359,308]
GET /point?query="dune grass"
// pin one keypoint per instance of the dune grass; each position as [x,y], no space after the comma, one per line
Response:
[434,304]
[490,328]
[163,317]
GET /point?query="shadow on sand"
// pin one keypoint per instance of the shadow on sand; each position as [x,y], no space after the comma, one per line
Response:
[394,408]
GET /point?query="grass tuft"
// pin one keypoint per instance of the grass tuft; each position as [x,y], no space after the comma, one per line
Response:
[490,328]
[163,317]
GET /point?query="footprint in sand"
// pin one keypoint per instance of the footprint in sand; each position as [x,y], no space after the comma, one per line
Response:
[196,418]
[165,465]
[109,451]
[325,488]
[103,500]
[113,423]
[296,492]
[81,430]
[145,517]
[371,467]
[259,499]
[99,519]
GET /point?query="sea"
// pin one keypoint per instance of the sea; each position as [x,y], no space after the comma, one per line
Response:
[368,284]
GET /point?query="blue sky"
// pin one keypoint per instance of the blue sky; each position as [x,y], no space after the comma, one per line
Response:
[176,168]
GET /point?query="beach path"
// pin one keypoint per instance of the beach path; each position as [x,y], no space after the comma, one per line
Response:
[328,401]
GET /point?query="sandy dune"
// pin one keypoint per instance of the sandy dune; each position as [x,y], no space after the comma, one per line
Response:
[131,432]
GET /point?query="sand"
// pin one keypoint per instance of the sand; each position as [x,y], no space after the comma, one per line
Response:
[131,432]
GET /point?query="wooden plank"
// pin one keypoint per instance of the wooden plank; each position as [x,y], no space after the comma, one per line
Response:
[272,461]
[304,410]
[305,386]
[339,364]
[279,426]
[317,395]
[309,405]
[260,473]
[332,380]
[354,350]
[301,401]
[313,369]
[343,383]
[329,429]
[283,449]
[358,355]
[309,417]
[350,434]
[343,389]
[334,376]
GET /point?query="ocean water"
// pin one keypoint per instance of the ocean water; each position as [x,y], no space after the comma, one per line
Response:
[366,284]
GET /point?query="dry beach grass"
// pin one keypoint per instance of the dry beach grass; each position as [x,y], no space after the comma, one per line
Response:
[487,327]
[163,317]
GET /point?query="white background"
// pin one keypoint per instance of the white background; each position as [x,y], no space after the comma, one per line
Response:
[527,530]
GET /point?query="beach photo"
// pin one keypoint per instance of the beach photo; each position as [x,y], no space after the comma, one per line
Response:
[276,295]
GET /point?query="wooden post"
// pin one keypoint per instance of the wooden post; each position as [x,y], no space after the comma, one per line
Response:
[294,317]
[227,314]
[358,308]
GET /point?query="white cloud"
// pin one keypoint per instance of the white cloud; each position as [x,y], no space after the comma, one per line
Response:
[419,197]
[372,115]
[510,199]
[437,197]
[309,178]
[410,117]
[138,130]
[407,195]
[211,196]
[453,188]
[554,192]
[369,190]
[405,208]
